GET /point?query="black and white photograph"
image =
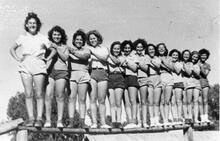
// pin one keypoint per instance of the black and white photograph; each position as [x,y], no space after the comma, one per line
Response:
[112,70]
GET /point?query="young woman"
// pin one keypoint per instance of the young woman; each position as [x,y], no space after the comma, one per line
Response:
[189,86]
[154,85]
[99,77]
[58,74]
[80,78]
[197,85]
[178,86]
[116,83]
[166,69]
[205,69]
[129,63]
[32,66]
[143,60]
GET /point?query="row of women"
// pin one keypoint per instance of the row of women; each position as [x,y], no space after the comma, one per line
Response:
[162,84]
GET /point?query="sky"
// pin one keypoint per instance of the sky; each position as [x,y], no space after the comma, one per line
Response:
[182,24]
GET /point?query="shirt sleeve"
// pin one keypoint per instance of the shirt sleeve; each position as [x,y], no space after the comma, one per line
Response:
[19,40]
[46,41]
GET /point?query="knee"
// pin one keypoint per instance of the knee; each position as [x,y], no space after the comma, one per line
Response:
[112,104]
[39,95]
[72,98]
[118,104]
[101,101]
[29,95]
[48,97]
[60,97]
[150,103]
[133,101]
[82,101]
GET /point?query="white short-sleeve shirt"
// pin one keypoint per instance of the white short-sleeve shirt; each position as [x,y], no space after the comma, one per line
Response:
[34,45]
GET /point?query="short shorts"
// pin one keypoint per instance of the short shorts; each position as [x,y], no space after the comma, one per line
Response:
[192,83]
[204,83]
[80,76]
[143,81]
[116,81]
[166,79]
[59,74]
[178,85]
[99,75]
[32,65]
[154,81]
[131,81]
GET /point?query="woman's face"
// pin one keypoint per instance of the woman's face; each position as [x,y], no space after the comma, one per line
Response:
[139,48]
[195,58]
[175,56]
[161,50]
[78,41]
[151,51]
[186,56]
[203,57]
[116,50]
[56,36]
[32,26]
[127,49]
[93,40]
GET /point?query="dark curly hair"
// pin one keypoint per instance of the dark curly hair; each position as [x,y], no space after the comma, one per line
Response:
[204,51]
[112,46]
[142,41]
[178,52]
[97,34]
[166,50]
[190,55]
[61,31]
[195,52]
[151,45]
[34,16]
[125,42]
[81,33]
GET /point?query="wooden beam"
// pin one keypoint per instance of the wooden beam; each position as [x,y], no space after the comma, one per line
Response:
[10,126]
[100,131]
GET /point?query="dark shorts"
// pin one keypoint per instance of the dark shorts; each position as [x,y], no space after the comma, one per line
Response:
[59,74]
[116,81]
[131,81]
[204,83]
[178,85]
[99,75]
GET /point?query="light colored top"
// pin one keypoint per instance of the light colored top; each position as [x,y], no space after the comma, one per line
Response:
[94,61]
[178,66]
[61,64]
[79,64]
[156,61]
[167,61]
[34,45]
[142,59]
[204,66]
[132,59]
[113,67]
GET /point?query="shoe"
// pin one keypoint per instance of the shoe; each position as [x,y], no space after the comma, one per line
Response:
[38,123]
[105,126]
[84,126]
[47,124]
[119,125]
[94,126]
[29,123]
[139,125]
[114,124]
[145,125]
[130,125]
[59,124]
[71,123]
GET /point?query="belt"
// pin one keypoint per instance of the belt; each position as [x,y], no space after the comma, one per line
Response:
[115,72]
[153,74]
[97,68]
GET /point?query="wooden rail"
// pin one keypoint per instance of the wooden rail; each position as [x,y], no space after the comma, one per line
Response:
[10,126]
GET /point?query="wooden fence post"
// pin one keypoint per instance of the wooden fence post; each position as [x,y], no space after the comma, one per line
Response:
[22,135]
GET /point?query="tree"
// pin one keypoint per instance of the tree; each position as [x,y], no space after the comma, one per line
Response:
[17,109]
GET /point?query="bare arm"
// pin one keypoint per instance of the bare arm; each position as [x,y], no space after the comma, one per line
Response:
[114,59]
[81,54]
[100,55]
[204,72]
[52,53]
[63,53]
[14,54]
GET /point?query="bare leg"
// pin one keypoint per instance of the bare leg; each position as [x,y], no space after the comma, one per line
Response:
[127,106]
[178,94]
[162,105]
[143,94]
[118,96]
[93,99]
[102,92]
[72,99]
[189,94]
[196,107]
[112,98]
[82,91]
[28,84]
[48,98]
[151,102]
[168,94]
[59,91]
[39,82]
[185,105]
[157,94]
[132,91]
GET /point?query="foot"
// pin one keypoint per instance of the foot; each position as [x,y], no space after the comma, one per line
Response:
[105,126]
[130,125]
[145,125]
[38,123]
[71,123]
[29,123]
[139,125]
[47,124]
[94,125]
[59,124]
[119,125]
